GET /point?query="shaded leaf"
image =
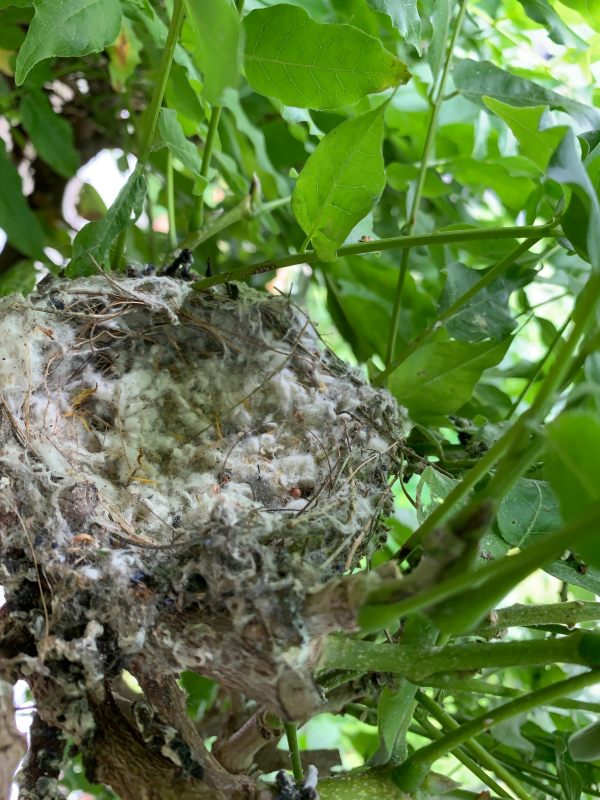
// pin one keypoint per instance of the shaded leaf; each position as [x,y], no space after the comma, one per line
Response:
[405,16]
[486,315]
[90,204]
[19,277]
[172,136]
[16,218]
[441,14]
[541,11]
[538,145]
[93,242]
[67,28]
[311,65]
[124,56]
[340,182]
[474,79]
[581,221]
[573,467]
[528,510]
[50,134]
[216,25]
[439,377]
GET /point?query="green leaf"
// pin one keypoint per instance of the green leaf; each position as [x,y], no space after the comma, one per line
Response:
[172,136]
[90,204]
[573,467]
[216,25]
[19,277]
[538,145]
[570,780]
[306,64]
[124,56]
[541,11]
[341,182]
[405,16]
[396,707]
[487,314]
[589,10]
[67,28]
[50,134]
[474,79]
[16,218]
[440,376]
[581,221]
[441,14]
[92,243]
[528,511]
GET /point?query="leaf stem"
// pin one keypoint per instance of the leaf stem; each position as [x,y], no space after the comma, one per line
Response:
[171,202]
[462,755]
[379,245]
[476,750]
[291,735]
[375,616]
[411,773]
[516,449]
[416,663]
[491,275]
[429,140]
[161,85]
[213,124]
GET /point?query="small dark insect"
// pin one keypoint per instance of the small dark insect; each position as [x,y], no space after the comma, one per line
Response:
[180,266]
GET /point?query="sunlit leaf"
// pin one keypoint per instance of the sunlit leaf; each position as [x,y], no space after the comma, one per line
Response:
[440,376]
[525,122]
[216,25]
[304,63]
[476,79]
[340,182]
[405,16]
[68,28]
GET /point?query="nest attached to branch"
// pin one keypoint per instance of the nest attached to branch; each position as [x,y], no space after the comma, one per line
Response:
[179,473]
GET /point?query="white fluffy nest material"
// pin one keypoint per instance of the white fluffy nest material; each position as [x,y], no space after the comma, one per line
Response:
[177,472]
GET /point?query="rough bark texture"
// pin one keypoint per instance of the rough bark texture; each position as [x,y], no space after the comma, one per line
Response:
[183,478]
[12,742]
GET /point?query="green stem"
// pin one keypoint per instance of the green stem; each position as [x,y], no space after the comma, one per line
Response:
[239,4]
[482,283]
[411,773]
[513,568]
[429,140]
[569,614]
[171,202]
[198,210]
[471,686]
[118,250]
[161,85]
[463,756]
[515,450]
[291,734]
[380,245]
[476,750]
[246,208]
[416,663]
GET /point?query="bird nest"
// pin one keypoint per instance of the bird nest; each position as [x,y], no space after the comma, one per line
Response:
[179,473]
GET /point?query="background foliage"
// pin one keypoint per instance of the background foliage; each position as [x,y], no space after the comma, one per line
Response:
[337,124]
